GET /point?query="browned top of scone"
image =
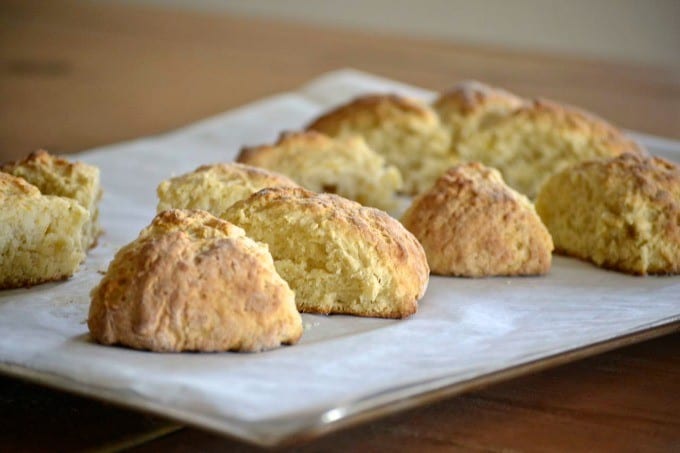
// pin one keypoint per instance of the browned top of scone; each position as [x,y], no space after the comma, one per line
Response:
[12,186]
[471,223]
[254,155]
[585,123]
[53,175]
[654,178]
[470,95]
[249,172]
[42,158]
[193,282]
[374,108]
[472,179]
[196,224]
[216,187]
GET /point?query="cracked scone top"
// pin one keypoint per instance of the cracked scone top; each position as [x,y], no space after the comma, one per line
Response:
[193,282]
[539,139]
[41,236]
[338,256]
[345,166]
[472,224]
[406,132]
[54,175]
[214,188]
[620,213]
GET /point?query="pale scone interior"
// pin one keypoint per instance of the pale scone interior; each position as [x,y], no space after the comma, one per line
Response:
[338,256]
[539,139]
[345,166]
[57,176]
[41,236]
[406,132]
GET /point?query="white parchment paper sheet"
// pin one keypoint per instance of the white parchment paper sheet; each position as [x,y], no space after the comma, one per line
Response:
[464,328]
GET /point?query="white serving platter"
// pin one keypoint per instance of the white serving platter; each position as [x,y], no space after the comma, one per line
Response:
[467,333]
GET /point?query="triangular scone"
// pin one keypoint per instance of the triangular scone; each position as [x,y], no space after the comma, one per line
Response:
[57,176]
[620,213]
[214,188]
[471,106]
[193,282]
[338,256]
[472,224]
[345,166]
[41,236]
[406,132]
[540,139]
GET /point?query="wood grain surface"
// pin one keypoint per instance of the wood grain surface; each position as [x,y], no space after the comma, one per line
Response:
[74,75]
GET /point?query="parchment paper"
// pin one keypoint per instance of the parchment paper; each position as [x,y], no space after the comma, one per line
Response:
[464,328]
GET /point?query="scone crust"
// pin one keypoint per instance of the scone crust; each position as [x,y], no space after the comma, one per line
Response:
[345,166]
[54,175]
[621,213]
[376,108]
[215,187]
[192,282]
[471,106]
[472,224]
[75,180]
[13,186]
[406,132]
[542,138]
[378,245]
[569,118]
[268,155]
[470,97]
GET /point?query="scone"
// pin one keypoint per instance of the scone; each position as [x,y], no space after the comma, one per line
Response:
[471,106]
[214,188]
[472,224]
[338,256]
[41,236]
[57,176]
[406,132]
[540,139]
[345,166]
[621,213]
[193,282]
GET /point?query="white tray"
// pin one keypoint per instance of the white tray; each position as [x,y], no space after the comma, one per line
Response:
[345,369]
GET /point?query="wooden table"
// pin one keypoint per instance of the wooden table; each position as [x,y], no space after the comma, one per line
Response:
[76,75]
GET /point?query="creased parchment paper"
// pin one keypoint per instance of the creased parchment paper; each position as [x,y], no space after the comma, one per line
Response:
[464,328]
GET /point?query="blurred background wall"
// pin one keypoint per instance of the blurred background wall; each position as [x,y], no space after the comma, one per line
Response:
[646,31]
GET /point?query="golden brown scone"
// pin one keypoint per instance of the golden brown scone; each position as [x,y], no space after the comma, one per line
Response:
[214,188]
[345,166]
[406,132]
[471,106]
[54,175]
[338,256]
[41,236]
[472,224]
[621,213]
[540,139]
[193,282]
